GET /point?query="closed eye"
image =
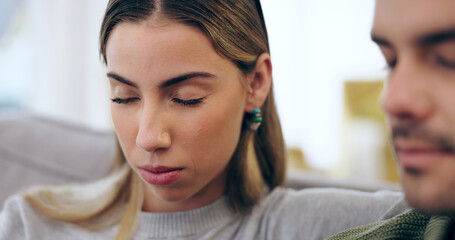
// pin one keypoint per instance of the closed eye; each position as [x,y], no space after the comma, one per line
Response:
[390,65]
[190,102]
[124,100]
[446,63]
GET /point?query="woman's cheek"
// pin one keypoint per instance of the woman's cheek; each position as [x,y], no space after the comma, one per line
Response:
[125,126]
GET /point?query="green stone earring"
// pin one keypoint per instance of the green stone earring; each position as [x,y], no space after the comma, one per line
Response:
[256,120]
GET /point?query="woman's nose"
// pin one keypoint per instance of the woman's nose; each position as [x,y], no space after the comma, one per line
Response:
[153,134]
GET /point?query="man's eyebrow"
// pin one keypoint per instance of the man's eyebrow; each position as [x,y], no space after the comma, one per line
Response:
[379,41]
[121,79]
[184,77]
[438,37]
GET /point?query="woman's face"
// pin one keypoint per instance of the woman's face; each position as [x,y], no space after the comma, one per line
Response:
[177,108]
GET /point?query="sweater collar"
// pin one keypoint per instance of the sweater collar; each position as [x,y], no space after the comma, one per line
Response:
[439,227]
[162,225]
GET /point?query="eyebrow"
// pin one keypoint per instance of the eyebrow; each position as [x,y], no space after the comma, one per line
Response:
[121,79]
[184,77]
[428,39]
[437,37]
[166,83]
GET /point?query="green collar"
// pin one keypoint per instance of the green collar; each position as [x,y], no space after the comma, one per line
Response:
[439,227]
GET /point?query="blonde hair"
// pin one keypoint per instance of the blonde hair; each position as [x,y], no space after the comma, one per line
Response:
[237,31]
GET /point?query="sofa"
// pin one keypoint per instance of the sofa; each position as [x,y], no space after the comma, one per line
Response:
[38,150]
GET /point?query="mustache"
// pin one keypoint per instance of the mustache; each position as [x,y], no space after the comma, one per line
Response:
[415,130]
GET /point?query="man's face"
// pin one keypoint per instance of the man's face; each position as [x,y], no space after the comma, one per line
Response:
[417,39]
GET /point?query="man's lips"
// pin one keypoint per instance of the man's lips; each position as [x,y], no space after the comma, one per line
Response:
[419,155]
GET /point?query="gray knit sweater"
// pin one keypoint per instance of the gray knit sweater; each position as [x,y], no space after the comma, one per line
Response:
[281,214]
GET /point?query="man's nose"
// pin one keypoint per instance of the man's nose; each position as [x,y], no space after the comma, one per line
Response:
[407,92]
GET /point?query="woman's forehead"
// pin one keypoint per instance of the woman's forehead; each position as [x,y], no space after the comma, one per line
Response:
[135,50]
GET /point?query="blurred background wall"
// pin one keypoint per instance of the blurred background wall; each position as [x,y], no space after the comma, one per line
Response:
[49,64]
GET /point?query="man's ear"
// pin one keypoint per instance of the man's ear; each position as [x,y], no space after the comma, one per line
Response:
[259,83]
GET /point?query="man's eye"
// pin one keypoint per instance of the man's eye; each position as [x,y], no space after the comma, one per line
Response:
[189,102]
[391,64]
[124,100]
[445,62]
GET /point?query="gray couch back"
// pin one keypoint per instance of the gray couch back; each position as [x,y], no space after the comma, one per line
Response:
[40,151]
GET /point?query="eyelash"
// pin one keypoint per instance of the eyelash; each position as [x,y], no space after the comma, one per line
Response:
[439,60]
[445,63]
[390,65]
[124,100]
[190,102]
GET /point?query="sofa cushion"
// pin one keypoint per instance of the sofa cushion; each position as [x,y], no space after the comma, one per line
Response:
[36,150]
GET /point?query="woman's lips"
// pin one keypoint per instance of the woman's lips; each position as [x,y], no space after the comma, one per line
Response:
[160,175]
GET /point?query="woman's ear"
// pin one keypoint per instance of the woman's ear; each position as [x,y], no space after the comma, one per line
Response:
[259,83]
